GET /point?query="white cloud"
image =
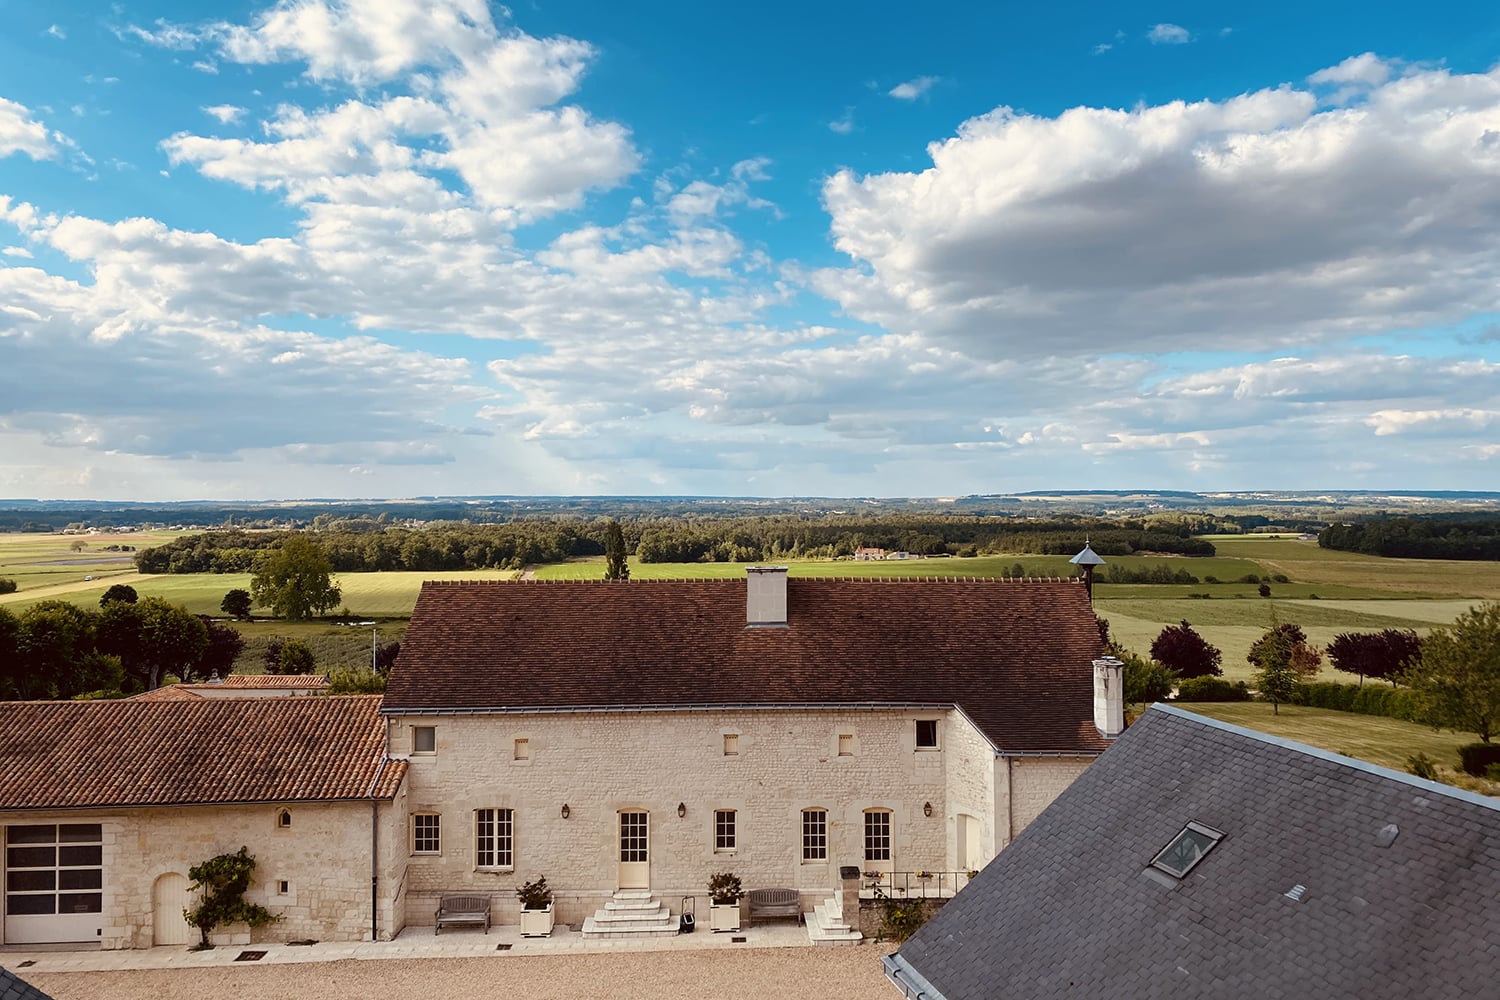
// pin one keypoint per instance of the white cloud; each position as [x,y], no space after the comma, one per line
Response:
[1185,225]
[17,252]
[1168,34]
[225,113]
[56,31]
[20,133]
[164,35]
[1367,69]
[843,125]
[1101,48]
[914,88]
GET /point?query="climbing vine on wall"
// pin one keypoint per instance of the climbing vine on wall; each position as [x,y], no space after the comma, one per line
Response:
[223,882]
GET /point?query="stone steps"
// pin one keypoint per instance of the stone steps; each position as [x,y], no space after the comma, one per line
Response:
[631,913]
[826,924]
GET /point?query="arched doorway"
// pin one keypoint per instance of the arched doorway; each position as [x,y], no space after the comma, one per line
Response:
[169,897]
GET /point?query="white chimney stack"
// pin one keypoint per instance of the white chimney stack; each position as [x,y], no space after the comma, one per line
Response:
[765,595]
[1109,697]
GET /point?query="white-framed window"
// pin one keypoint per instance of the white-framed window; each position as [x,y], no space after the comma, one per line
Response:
[927,734]
[523,749]
[283,887]
[814,835]
[877,837]
[724,830]
[426,833]
[424,739]
[494,838]
[731,744]
[846,744]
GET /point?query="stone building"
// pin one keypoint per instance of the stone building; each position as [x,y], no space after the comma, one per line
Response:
[639,736]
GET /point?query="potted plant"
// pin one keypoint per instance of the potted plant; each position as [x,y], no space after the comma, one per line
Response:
[724,895]
[536,907]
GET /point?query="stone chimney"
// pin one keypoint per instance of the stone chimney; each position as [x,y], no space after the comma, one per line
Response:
[765,595]
[1109,697]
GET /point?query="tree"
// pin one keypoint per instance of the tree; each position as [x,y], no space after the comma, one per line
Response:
[1304,658]
[224,647]
[119,592]
[385,657]
[223,882]
[7,586]
[78,545]
[295,581]
[152,639]
[1272,653]
[53,647]
[1457,679]
[1146,680]
[1381,655]
[290,657]
[237,603]
[615,567]
[1186,653]
[10,661]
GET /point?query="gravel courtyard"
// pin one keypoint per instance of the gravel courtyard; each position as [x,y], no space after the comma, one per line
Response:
[846,973]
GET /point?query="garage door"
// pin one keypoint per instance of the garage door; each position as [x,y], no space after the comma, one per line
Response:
[54,877]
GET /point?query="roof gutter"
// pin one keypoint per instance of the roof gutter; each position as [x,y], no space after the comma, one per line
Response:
[912,984]
[694,707]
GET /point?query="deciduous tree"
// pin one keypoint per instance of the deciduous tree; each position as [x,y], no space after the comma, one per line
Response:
[224,647]
[1457,678]
[1186,653]
[237,603]
[1272,653]
[119,592]
[295,581]
[1381,655]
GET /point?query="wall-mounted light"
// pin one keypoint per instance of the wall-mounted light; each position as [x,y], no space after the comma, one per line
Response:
[566,812]
[681,809]
[926,808]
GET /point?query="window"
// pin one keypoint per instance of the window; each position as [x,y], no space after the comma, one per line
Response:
[523,749]
[724,830]
[54,869]
[846,744]
[283,887]
[283,819]
[877,836]
[731,744]
[425,833]
[927,734]
[494,832]
[814,835]
[1186,849]
[424,739]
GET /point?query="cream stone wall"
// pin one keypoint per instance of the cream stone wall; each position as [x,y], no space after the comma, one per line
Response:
[324,857]
[1033,783]
[970,790]
[602,763]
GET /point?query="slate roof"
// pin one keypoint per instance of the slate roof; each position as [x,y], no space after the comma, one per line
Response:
[1014,655]
[1071,907]
[13,987]
[60,755]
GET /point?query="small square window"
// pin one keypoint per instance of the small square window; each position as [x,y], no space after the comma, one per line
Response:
[283,887]
[846,744]
[424,739]
[1186,849]
[927,737]
[523,749]
[426,833]
[724,830]
[731,744]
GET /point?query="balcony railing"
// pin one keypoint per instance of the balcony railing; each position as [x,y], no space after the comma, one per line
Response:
[912,885]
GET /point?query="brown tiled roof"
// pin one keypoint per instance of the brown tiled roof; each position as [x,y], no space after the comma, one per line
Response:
[137,753]
[1014,655]
[172,692]
[273,682]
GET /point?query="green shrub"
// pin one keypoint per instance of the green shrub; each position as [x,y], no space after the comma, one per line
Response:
[1477,758]
[7,586]
[902,918]
[1371,699]
[1422,766]
[1212,689]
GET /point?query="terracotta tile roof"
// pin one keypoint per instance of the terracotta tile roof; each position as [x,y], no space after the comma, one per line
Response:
[1014,655]
[172,692]
[140,753]
[273,682]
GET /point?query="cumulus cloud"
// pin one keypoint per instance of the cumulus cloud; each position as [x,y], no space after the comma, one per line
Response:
[915,88]
[21,133]
[1185,225]
[225,113]
[1168,34]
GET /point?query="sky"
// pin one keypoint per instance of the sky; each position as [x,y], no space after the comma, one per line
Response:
[396,248]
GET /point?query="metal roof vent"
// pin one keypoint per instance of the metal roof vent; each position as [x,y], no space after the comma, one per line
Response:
[1387,835]
[1296,892]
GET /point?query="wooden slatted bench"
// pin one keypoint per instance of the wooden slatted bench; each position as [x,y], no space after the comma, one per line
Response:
[462,908]
[775,903]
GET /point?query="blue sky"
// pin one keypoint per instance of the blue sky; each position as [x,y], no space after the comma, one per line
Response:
[390,249]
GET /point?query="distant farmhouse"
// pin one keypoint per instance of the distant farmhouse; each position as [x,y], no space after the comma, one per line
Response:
[1199,859]
[623,739]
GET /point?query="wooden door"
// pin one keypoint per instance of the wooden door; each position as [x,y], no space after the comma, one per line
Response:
[169,897]
[635,850]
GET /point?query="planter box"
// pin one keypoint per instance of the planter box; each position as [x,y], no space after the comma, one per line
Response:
[723,917]
[536,923]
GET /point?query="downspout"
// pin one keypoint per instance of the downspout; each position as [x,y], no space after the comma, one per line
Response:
[375,851]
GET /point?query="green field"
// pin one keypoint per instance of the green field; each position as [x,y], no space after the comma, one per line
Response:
[1306,563]
[1387,742]
[50,561]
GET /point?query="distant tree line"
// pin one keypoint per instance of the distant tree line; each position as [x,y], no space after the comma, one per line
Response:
[1436,537]
[374,547]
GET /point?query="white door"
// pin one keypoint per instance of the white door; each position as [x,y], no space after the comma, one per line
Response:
[635,850]
[968,842]
[54,880]
[169,897]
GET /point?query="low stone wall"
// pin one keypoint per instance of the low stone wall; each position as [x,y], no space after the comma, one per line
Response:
[872,913]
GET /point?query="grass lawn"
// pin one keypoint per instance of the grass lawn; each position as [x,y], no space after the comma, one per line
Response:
[1387,742]
[1306,563]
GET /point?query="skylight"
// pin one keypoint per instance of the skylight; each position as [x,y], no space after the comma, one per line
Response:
[1186,849]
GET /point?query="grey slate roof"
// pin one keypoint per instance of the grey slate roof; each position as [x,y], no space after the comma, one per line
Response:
[12,987]
[1072,908]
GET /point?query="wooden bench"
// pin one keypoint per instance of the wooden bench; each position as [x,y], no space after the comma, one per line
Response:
[775,903]
[462,908]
